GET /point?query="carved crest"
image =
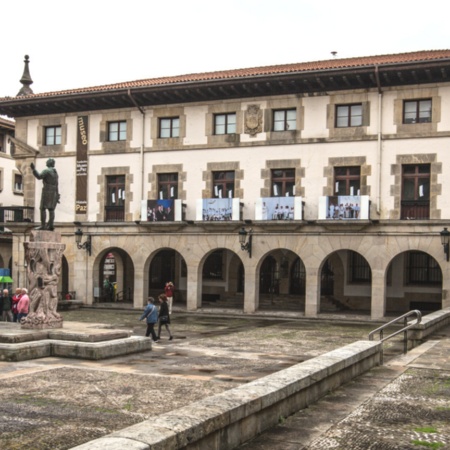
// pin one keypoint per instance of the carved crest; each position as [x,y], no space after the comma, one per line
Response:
[253,120]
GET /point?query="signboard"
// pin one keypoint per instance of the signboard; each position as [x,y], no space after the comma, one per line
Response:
[109,266]
[81,166]
[344,207]
[218,209]
[278,208]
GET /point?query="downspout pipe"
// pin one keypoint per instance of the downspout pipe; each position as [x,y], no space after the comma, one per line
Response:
[379,138]
[142,111]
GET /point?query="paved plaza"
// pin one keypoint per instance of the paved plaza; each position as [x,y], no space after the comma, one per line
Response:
[58,403]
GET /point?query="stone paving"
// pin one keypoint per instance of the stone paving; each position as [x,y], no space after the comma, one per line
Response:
[56,403]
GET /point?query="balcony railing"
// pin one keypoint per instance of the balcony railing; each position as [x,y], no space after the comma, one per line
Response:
[415,210]
[114,214]
[16,214]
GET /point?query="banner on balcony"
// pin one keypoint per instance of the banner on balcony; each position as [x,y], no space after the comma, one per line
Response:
[217,209]
[160,210]
[344,207]
[82,166]
[278,208]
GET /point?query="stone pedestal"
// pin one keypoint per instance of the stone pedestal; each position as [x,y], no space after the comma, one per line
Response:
[43,255]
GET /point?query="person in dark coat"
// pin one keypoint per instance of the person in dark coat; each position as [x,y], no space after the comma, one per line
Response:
[164,316]
[6,307]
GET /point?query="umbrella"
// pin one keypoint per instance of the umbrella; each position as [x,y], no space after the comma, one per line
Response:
[6,279]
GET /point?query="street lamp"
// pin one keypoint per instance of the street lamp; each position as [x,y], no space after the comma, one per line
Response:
[246,244]
[445,237]
[86,245]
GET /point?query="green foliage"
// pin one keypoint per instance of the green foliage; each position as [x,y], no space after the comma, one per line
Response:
[432,445]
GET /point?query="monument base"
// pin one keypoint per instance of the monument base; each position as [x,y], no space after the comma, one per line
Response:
[41,324]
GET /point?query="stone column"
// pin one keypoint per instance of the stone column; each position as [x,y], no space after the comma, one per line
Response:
[43,255]
[378,305]
[251,290]
[193,291]
[312,297]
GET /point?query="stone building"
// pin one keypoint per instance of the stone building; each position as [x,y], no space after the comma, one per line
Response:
[333,173]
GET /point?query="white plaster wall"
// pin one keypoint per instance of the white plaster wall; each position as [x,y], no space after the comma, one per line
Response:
[387,119]
[195,125]
[94,131]
[71,144]
[374,101]
[444,124]
[7,195]
[137,119]
[315,120]
[32,133]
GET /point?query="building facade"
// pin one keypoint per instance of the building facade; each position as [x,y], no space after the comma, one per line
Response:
[334,172]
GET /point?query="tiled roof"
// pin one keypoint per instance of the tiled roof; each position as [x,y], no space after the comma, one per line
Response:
[331,64]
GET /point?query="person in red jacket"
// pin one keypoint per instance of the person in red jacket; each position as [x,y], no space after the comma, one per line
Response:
[15,302]
[169,288]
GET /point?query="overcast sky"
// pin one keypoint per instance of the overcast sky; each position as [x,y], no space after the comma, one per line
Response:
[74,44]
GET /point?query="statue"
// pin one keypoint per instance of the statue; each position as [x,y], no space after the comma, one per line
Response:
[50,195]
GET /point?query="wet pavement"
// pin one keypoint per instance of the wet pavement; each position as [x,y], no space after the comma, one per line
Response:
[58,403]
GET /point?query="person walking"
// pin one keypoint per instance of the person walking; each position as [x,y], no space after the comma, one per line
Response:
[23,307]
[164,316]
[15,302]
[169,289]
[151,314]
[7,303]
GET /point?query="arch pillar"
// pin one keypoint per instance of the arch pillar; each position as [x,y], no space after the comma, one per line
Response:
[378,302]
[312,294]
[193,289]
[445,285]
[251,290]
[139,296]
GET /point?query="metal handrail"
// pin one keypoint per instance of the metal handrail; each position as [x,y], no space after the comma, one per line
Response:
[404,330]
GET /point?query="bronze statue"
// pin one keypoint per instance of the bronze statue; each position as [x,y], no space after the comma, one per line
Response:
[50,195]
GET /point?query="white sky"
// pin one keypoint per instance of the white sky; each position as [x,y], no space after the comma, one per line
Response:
[74,44]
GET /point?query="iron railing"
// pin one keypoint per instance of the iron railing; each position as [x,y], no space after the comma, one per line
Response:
[404,330]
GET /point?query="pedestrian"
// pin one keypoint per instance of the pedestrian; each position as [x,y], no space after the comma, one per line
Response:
[151,314]
[169,288]
[23,307]
[15,302]
[6,307]
[164,316]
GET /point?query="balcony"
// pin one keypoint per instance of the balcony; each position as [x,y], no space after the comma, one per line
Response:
[114,214]
[16,214]
[415,210]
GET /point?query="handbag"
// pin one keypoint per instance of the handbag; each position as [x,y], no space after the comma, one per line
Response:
[164,319]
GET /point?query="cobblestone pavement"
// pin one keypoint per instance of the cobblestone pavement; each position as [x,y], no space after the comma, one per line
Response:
[402,405]
[56,403]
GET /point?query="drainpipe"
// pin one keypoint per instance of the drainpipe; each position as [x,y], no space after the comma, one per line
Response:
[379,141]
[142,111]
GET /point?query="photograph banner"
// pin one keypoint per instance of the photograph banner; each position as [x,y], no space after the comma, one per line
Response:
[160,210]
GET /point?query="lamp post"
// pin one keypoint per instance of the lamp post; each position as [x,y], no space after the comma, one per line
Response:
[245,239]
[85,245]
[445,238]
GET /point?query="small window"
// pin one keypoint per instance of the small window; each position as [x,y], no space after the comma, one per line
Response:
[349,115]
[225,123]
[284,120]
[53,135]
[223,184]
[117,131]
[347,180]
[283,182]
[359,268]
[422,268]
[18,183]
[115,198]
[167,186]
[2,140]
[169,127]
[417,111]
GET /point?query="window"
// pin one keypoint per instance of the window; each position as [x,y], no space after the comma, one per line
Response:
[53,135]
[225,123]
[115,198]
[415,203]
[349,115]
[169,127]
[213,267]
[167,186]
[359,268]
[284,120]
[18,183]
[2,140]
[347,180]
[422,268]
[223,184]
[117,131]
[417,111]
[283,182]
